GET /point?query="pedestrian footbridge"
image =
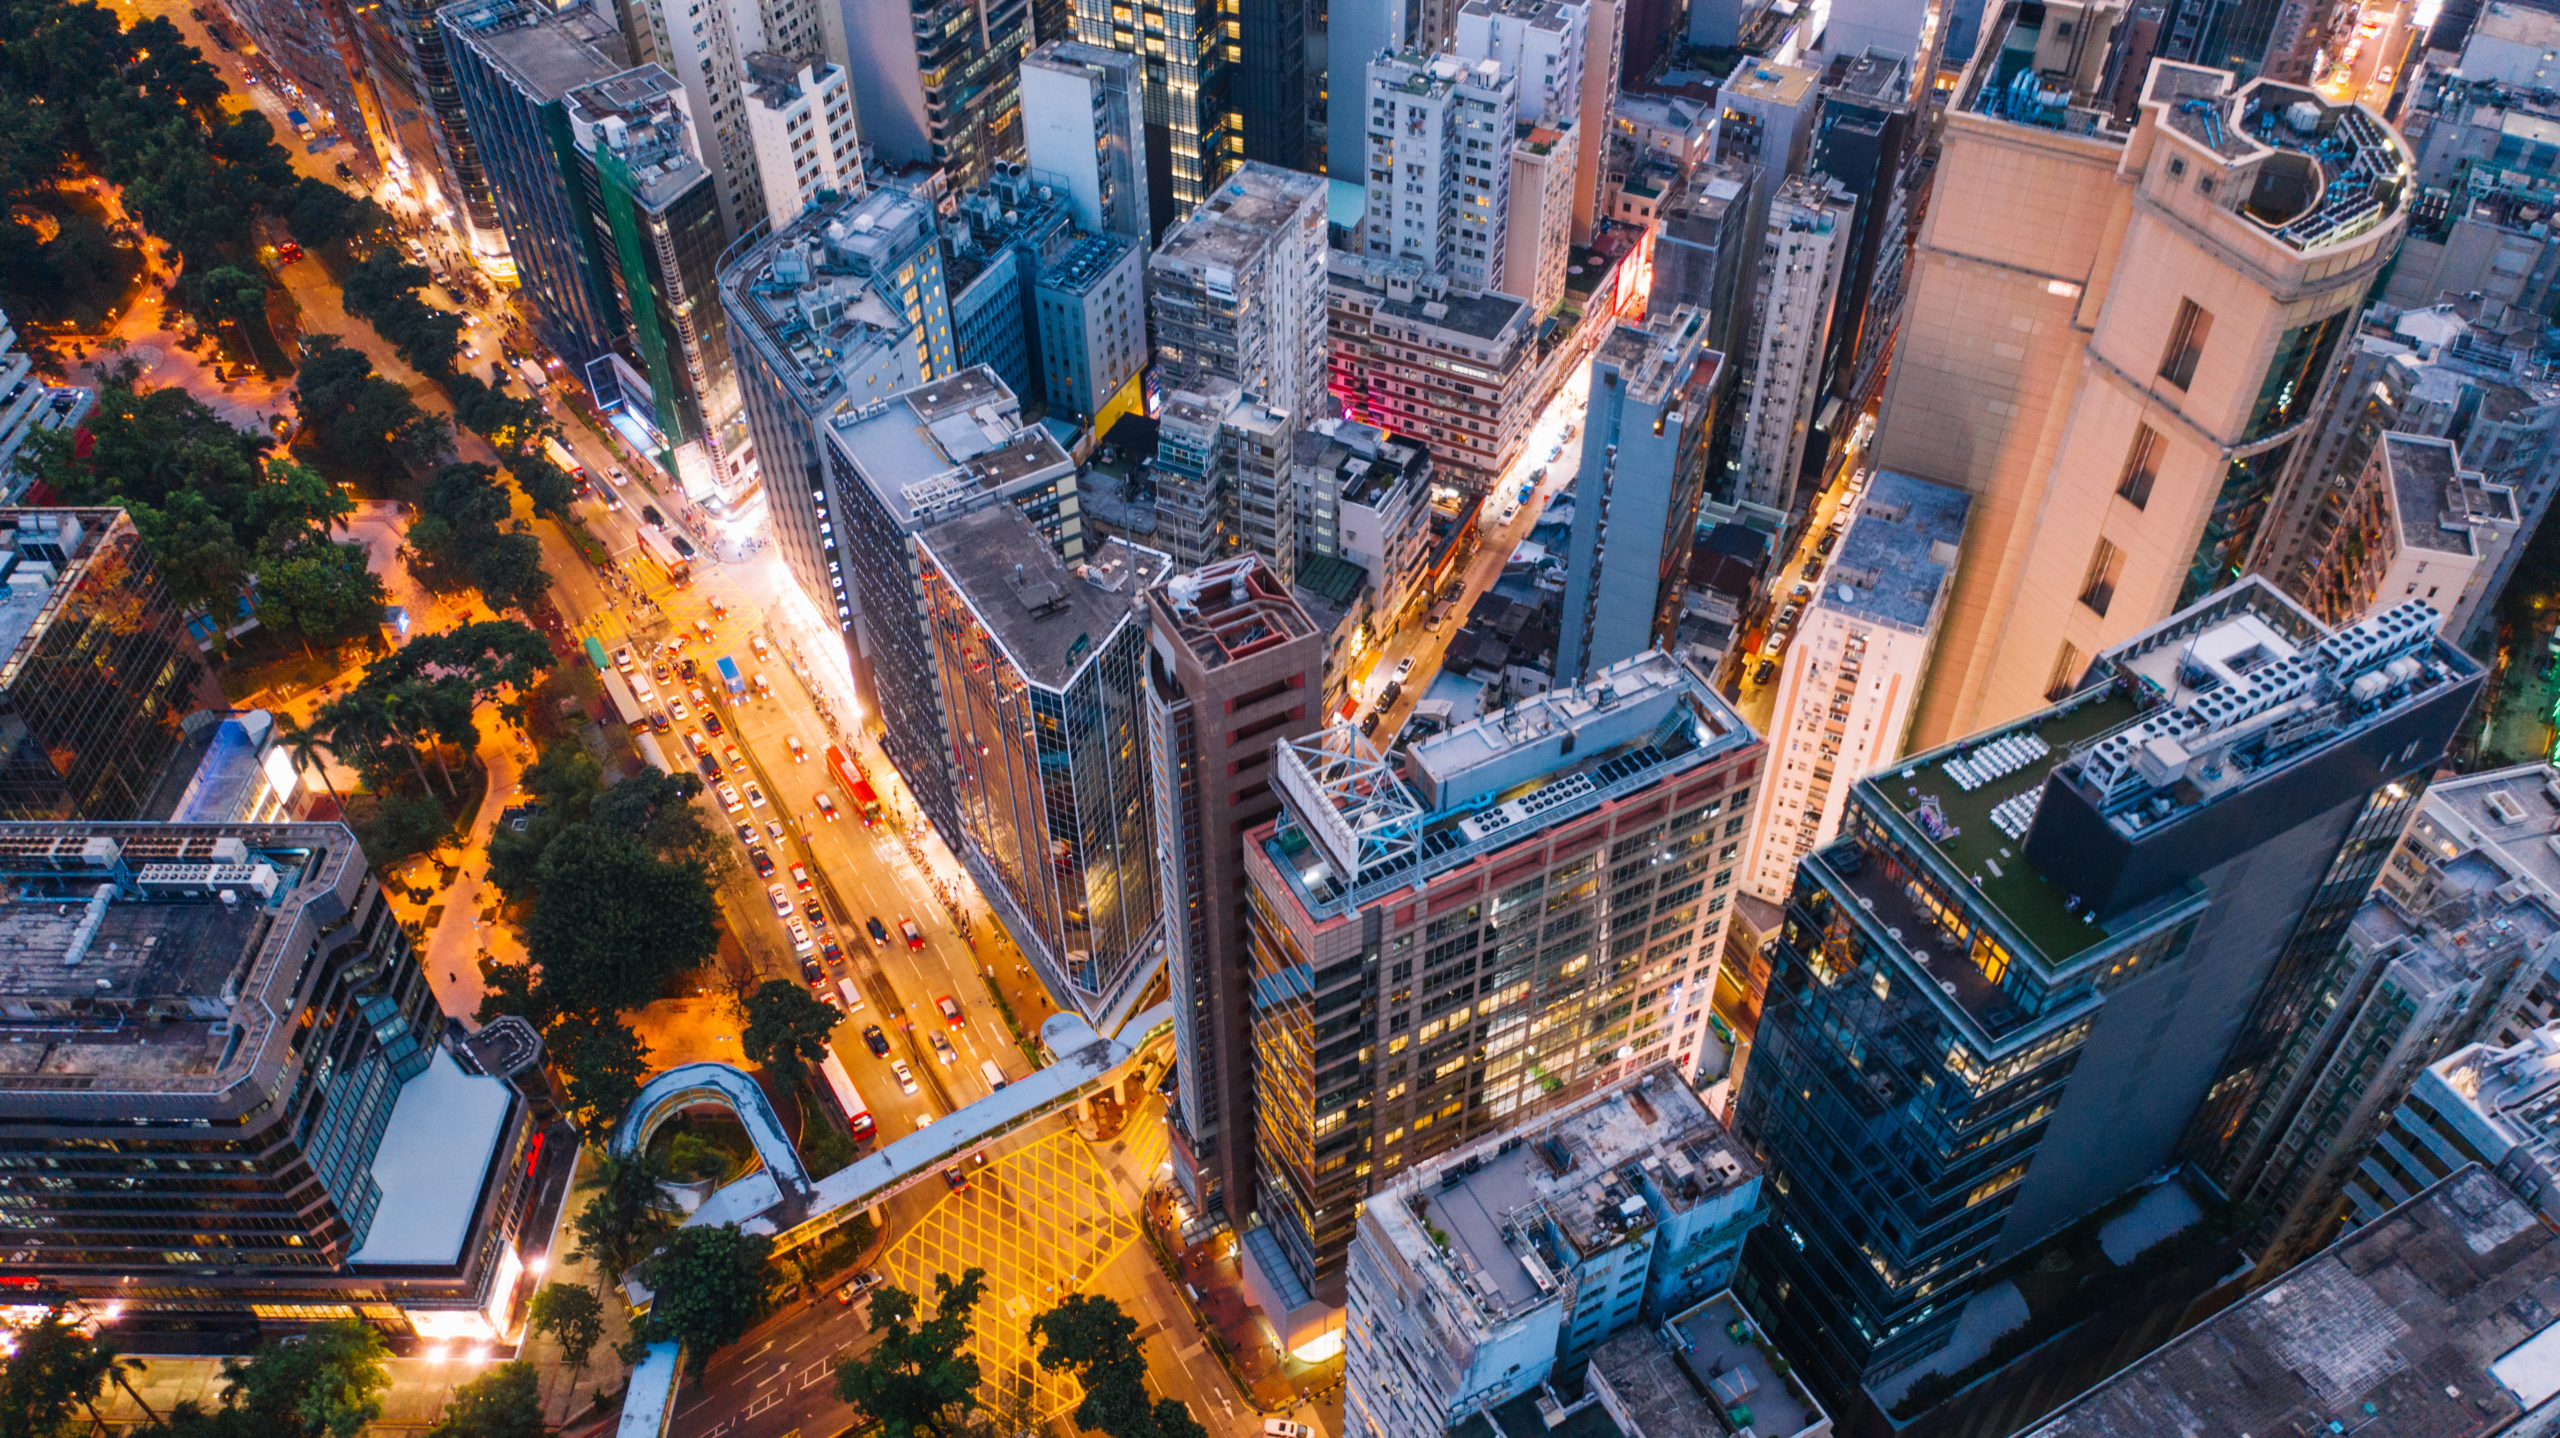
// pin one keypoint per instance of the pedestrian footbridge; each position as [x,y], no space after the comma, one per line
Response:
[781,1200]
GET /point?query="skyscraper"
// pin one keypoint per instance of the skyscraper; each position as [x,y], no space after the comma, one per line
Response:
[1043,672]
[846,303]
[707,54]
[1643,467]
[2045,962]
[800,120]
[241,1114]
[413,82]
[97,672]
[940,85]
[2117,372]
[1235,668]
[1802,258]
[1084,130]
[1191,119]
[1536,915]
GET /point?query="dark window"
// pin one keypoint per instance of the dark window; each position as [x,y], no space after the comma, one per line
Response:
[2066,672]
[2186,344]
[2141,465]
[2098,587]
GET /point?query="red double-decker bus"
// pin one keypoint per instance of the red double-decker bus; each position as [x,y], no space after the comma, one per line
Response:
[858,791]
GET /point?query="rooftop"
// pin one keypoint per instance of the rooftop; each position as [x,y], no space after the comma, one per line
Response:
[1651,359]
[1898,553]
[546,52]
[1370,462]
[1228,611]
[947,444]
[2433,1321]
[153,960]
[639,117]
[2440,503]
[1500,1225]
[1351,829]
[1399,290]
[1785,86]
[2515,1089]
[1085,264]
[1049,620]
[1731,1356]
[43,553]
[433,1164]
[811,292]
[2513,813]
[1876,76]
[1235,225]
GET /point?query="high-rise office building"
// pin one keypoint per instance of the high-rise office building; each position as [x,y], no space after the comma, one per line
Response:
[239,1001]
[1272,94]
[514,63]
[937,86]
[2116,372]
[891,468]
[1866,137]
[1853,667]
[1043,673]
[97,672]
[660,236]
[1439,166]
[1089,308]
[800,121]
[1236,667]
[2045,962]
[1478,1274]
[1084,130]
[1802,257]
[845,303]
[1192,127]
[608,211]
[1643,467]
[2429,1320]
[412,77]
[1536,915]
[706,50]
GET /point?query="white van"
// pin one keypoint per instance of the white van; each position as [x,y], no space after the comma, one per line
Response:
[993,1075]
[852,996]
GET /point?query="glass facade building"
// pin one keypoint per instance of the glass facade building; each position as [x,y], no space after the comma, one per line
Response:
[2045,962]
[99,674]
[1042,671]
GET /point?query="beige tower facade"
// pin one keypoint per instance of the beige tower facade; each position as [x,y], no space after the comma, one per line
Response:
[2133,278]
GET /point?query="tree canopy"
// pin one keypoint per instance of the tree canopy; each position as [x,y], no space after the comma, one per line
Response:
[1087,1335]
[505,1402]
[630,1214]
[328,1384]
[916,1383]
[786,1030]
[464,535]
[709,1287]
[573,1316]
[360,418]
[55,1372]
[602,1064]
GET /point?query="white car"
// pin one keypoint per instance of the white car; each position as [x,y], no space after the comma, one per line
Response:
[616,475]
[755,794]
[1404,669]
[905,1076]
[781,899]
[676,710]
[729,799]
[799,751]
[799,936]
[943,1050]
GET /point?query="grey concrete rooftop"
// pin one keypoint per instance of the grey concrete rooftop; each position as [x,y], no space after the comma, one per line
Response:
[1048,619]
[1899,551]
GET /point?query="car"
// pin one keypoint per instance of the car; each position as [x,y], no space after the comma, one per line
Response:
[345,172]
[616,475]
[812,975]
[730,752]
[1393,692]
[729,799]
[781,899]
[763,862]
[915,936]
[719,609]
[624,660]
[1369,723]
[801,942]
[685,668]
[1404,669]
[658,724]
[755,794]
[799,751]
[800,876]
[661,672]
[762,649]
[773,827]
[703,626]
[747,835]
[650,516]
[826,807]
[694,741]
[879,931]
[905,1076]
[834,952]
[676,707]
[863,1282]
[605,498]
[959,1181]
[762,685]
[710,768]
[712,722]
[1283,1428]
[943,1050]
[875,1041]
[817,913]
[1511,511]
[288,252]
[951,1013]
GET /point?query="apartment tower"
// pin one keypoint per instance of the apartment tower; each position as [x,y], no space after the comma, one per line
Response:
[2125,297]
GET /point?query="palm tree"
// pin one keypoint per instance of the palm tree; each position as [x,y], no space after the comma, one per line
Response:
[305,744]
